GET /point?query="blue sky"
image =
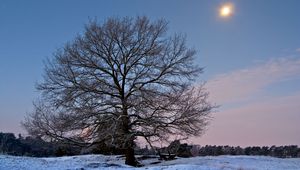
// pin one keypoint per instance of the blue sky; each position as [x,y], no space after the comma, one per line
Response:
[251,60]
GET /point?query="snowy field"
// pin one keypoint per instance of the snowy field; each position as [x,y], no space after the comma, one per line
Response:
[88,162]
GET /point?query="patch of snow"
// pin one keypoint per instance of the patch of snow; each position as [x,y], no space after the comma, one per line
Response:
[99,162]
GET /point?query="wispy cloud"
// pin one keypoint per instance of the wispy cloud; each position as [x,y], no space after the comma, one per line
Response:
[263,120]
[271,122]
[240,85]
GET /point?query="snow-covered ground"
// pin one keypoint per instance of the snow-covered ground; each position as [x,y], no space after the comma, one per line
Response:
[93,162]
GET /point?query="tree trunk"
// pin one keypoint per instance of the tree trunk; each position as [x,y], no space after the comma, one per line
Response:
[129,142]
[130,158]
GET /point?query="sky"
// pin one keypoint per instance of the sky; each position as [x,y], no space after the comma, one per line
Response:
[251,59]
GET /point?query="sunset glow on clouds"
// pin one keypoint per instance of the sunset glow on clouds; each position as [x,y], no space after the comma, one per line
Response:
[249,115]
[241,85]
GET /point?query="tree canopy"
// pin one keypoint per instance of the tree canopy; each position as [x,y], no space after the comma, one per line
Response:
[123,79]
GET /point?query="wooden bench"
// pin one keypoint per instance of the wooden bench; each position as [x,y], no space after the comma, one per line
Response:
[166,157]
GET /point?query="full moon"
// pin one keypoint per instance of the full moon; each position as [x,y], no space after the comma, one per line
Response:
[226,10]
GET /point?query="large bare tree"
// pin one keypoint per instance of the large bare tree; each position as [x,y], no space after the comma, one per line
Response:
[120,80]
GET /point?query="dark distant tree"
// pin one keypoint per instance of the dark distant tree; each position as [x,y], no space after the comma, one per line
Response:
[264,151]
[173,147]
[118,81]
[279,151]
[38,147]
[219,150]
[195,150]
[227,150]
[238,150]
[290,151]
[209,150]
[184,150]
[272,150]
[7,142]
[248,151]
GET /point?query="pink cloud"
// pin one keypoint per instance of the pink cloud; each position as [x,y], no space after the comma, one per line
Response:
[253,118]
[240,85]
[269,122]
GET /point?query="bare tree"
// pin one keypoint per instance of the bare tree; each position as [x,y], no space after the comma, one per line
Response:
[118,81]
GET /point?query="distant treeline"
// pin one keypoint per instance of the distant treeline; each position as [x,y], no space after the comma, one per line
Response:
[291,151]
[29,146]
[36,147]
[186,150]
